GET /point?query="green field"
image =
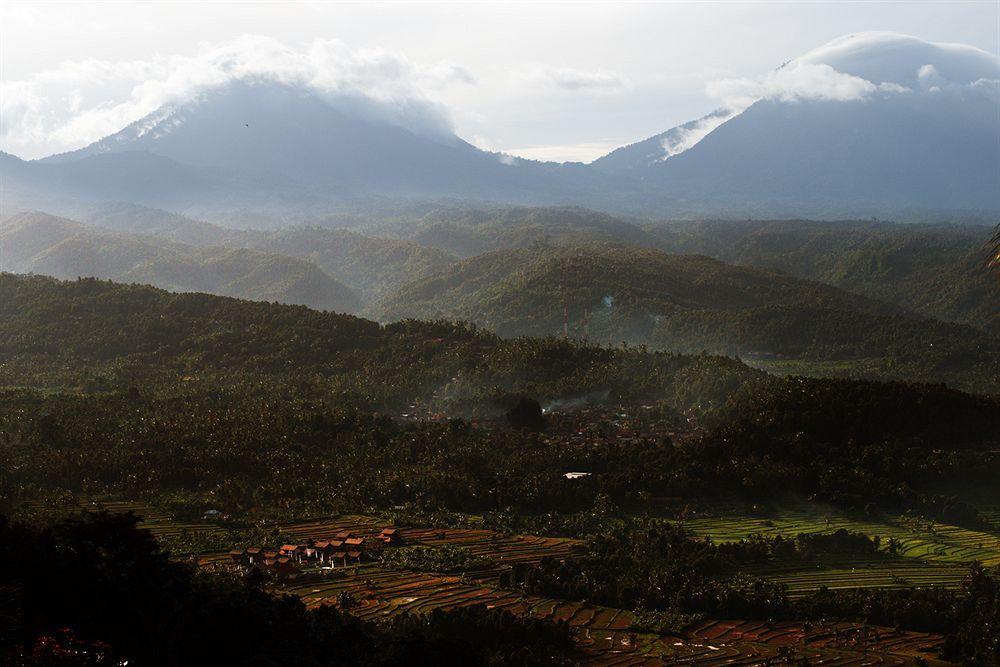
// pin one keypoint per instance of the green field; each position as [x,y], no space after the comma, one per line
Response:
[928,553]
[917,538]
[865,573]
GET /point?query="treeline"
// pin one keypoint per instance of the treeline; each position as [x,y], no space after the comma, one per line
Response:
[99,591]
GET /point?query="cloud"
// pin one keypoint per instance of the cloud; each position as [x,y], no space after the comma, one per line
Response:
[857,67]
[566,78]
[684,137]
[79,102]
[897,58]
[792,82]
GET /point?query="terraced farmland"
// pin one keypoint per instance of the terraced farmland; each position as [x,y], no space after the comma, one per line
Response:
[606,635]
[506,550]
[918,539]
[889,573]
[159,523]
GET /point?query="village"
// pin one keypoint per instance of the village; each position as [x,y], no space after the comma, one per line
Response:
[291,561]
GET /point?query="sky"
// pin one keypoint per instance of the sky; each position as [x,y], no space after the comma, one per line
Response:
[558,81]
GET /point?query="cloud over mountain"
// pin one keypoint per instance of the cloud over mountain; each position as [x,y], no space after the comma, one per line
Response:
[82,101]
[856,67]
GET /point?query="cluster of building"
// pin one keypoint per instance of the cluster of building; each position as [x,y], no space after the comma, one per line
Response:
[289,560]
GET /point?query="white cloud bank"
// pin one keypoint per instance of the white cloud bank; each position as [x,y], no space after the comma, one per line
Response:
[685,136]
[857,67]
[850,69]
[82,101]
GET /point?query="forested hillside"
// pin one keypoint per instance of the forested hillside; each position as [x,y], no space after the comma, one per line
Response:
[693,303]
[43,244]
[370,265]
[936,270]
[466,231]
[101,336]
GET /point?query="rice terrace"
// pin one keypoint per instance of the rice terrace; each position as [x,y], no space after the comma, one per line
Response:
[925,555]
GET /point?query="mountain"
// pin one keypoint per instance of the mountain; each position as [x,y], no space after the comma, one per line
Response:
[43,244]
[290,133]
[693,303]
[132,176]
[258,140]
[873,123]
[868,122]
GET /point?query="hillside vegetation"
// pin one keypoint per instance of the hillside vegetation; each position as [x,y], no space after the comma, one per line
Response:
[98,336]
[372,266]
[465,231]
[369,265]
[43,244]
[936,270]
[693,303]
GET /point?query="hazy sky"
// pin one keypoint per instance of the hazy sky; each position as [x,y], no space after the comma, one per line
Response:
[543,80]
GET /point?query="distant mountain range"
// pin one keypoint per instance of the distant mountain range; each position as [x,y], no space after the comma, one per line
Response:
[870,123]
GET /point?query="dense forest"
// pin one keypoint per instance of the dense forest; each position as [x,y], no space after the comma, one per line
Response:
[933,269]
[103,336]
[691,303]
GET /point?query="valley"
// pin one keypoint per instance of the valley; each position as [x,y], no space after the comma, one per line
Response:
[503,335]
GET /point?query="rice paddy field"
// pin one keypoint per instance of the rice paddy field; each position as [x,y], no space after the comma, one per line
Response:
[161,524]
[933,554]
[929,553]
[917,538]
[854,574]
[606,635]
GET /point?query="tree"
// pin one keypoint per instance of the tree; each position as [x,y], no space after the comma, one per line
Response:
[527,415]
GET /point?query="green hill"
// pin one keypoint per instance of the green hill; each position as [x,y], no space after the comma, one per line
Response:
[369,265]
[43,244]
[96,335]
[693,303]
[936,270]
[467,231]
[372,266]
